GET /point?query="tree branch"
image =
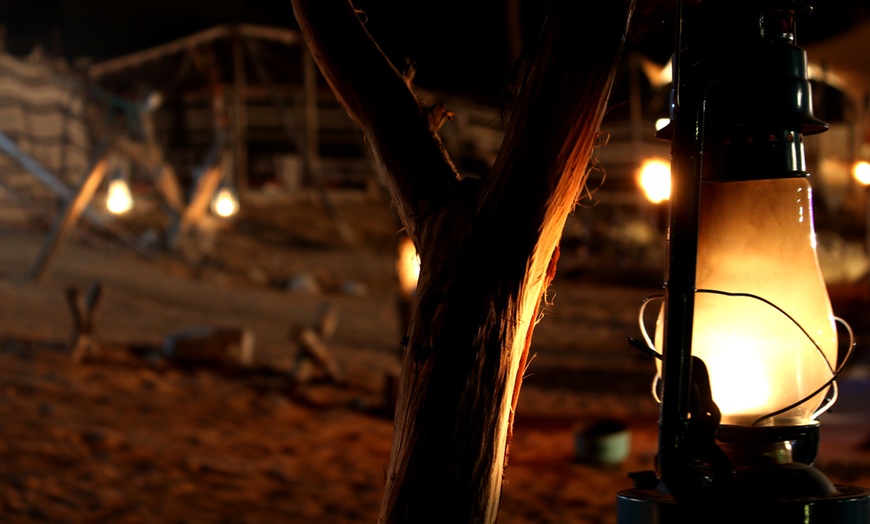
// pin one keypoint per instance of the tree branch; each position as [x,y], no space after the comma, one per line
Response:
[396,126]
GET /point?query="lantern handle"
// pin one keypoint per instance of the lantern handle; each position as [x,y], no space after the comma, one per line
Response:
[642,323]
[650,298]
[831,382]
[649,349]
[774,306]
[831,398]
[834,372]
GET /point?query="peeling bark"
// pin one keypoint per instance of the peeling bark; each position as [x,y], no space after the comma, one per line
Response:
[486,245]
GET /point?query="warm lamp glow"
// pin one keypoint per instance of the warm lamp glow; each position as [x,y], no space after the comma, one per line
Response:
[861,172]
[654,178]
[119,200]
[408,266]
[661,123]
[224,203]
[740,383]
[757,238]
[657,74]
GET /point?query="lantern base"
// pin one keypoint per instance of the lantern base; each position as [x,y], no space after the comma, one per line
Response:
[848,505]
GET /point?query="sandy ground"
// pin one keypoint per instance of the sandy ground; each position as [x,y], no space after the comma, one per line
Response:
[129,436]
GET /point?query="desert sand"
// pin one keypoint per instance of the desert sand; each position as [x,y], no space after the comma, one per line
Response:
[128,435]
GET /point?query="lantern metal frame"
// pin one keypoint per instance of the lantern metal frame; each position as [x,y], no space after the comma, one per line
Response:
[742,103]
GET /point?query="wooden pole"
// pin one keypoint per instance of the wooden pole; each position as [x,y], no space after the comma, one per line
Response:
[84,342]
[165,179]
[310,106]
[206,185]
[66,220]
[45,176]
[113,66]
[35,210]
[66,193]
[487,246]
[311,167]
[240,115]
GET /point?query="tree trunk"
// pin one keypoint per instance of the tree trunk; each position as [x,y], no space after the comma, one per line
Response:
[485,244]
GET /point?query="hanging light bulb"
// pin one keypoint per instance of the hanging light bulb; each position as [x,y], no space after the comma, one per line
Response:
[225,201]
[654,177]
[861,172]
[119,200]
[225,204]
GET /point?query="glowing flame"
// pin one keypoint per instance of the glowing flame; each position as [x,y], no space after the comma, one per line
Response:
[119,200]
[408,266]
[655,180]
[861,172]
[739,380]
[225,203]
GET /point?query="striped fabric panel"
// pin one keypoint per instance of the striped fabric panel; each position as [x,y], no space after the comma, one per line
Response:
[42,111]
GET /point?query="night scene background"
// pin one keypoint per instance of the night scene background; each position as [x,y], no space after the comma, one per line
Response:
[189,389]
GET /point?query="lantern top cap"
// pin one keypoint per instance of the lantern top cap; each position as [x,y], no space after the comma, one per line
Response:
[754,74]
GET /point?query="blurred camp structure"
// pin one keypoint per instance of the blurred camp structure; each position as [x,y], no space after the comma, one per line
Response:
[242,108]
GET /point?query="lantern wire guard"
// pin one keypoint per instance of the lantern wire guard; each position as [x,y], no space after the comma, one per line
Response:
[741,104]
[830,384]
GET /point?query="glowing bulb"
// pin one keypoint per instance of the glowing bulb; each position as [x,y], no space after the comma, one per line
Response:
[655,180]
[661,123]
[119,200]
[224,203]
[408,266]
[861,172]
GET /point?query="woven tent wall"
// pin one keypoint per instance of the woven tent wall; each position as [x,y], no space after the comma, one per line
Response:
[42,110]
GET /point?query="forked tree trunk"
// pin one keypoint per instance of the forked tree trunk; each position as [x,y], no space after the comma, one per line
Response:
[485,245]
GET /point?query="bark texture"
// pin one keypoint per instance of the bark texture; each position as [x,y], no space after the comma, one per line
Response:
[485,244]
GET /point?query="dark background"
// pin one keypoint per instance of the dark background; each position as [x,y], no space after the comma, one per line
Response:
[456,45]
